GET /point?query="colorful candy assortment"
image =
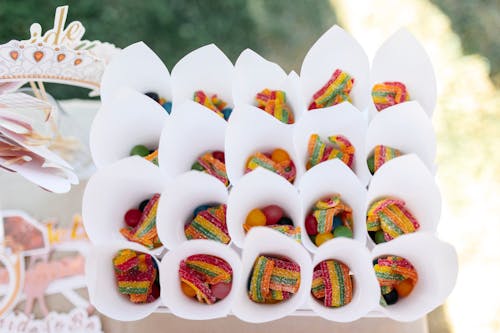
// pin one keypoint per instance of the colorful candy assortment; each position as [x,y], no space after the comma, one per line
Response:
[136,276]
[335,91]
[206,277]
[332,283]
[388,218]
[272,216]
[141,224]
[273,280]
[274,103]
[212,163]
[278,161]
[209,222]
[319,151]
[397,278]
[160,100]
[381,154]
[214,103]
[143,151]
[387,94]
[329,218]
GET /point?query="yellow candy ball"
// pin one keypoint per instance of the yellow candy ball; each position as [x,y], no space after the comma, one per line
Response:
[256,218]
[404,288]
[187,290]
[280,155]
[321,238]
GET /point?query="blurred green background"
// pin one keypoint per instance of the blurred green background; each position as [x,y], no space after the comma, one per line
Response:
[461,38]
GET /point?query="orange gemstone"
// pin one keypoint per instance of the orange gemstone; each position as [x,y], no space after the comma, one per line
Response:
[60,57]
[14,54]
[404,288]
[78,61]
[38,55]
[280,155]
[187,290]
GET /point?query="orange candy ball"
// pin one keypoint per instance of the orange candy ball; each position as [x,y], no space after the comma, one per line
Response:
[280,155]
[256,218]
[187,290]
[404,288]
[321,238]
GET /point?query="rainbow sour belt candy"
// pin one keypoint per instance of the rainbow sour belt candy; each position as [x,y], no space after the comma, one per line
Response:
[390,217]
[335,91]
[136,276]
[274,103]
[387,94]
[145,232]
[332,283]
[214,103]
[209,223]
[273,280]
[319,151]
[381,154]
[202,273]
[396,277]
[285,168]
[213,166]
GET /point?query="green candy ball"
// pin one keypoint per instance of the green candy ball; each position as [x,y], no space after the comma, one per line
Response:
[379,237]
[342,231]
[140,150]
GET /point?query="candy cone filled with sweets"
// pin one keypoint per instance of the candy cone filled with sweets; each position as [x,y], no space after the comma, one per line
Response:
[193,124]
[249,205]
[264,298]
[335,70]
[121,200]
[137,67]
[193,207]
[344,287]
[332,133]
[402,198]
[200,279]
[129,124]
[333,202]
[401,129]
[265,84]
[256,139]
[401,71]
[122,280]
[205,76]
[416,273]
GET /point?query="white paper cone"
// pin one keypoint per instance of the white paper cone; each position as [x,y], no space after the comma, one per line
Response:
[178,202]
[103,288]
[265,241]
[130,119]
[342,119]
[249,132]
[253,73]
[138,68]
[402,58]
[206,68]
[408,179]
[112,191]
[258,189]
[188,134]
[336,49]
[436,264]
[190,308]
[366,291]
[325,179]
[407,128]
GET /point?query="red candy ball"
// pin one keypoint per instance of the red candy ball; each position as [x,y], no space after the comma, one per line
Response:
[219,155]
[311,225]
[132,217]
[273,214]
[221,290]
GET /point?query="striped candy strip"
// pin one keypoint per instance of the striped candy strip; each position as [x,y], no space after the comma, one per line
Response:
[260,279]
[325,211]
[274,103]
[387,94]
[382,154]
[288,230]
[332,283]
[285,169]
[209,224]
[391,216]
[195,281]
[212,268]
[285,276]
[145,232]
[153,157]
[391,270]
[214,167]
[213,103]
[335,91]
[125,260]
[319,151]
